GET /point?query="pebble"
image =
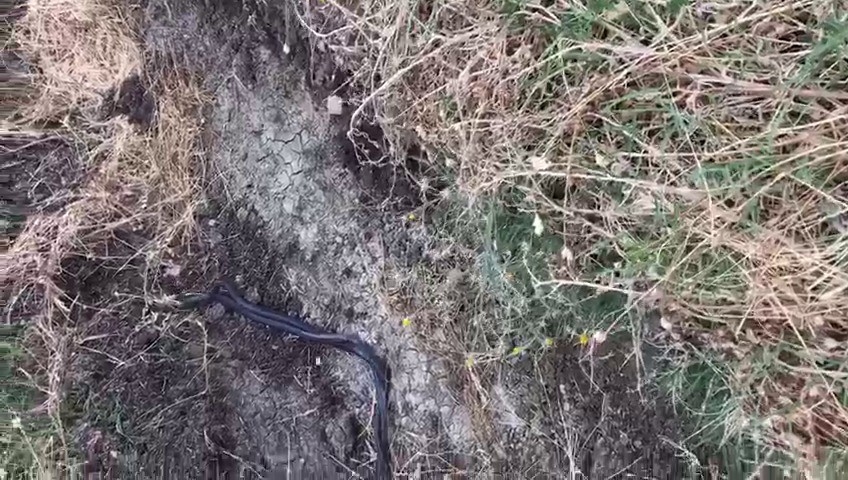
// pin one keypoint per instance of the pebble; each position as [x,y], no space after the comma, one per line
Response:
[335,105]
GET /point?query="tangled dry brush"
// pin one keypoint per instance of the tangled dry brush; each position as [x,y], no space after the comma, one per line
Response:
[692,155]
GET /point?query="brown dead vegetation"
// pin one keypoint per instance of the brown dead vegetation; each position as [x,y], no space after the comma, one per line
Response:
[141,179]
[690,155]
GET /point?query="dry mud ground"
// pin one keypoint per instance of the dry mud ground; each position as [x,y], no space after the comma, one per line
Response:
[301,220]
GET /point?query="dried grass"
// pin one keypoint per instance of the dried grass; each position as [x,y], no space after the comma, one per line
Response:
[82,49]
[137,180]
[693,156]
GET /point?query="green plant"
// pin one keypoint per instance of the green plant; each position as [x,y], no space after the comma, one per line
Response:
[25,437]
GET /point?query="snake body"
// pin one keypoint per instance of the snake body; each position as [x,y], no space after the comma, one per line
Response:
[227,296]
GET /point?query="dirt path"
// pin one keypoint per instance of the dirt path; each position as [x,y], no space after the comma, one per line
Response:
[282,169]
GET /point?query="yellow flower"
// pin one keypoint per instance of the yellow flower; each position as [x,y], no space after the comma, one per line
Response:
[517,350]
[469,361]
[411,217]
[549,342]
[583,339]
[406,322]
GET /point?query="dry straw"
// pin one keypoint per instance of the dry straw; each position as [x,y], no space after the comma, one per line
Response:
[136,179]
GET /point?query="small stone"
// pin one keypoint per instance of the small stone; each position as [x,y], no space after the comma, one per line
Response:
[454,278]
[252,295]
[335,105]
[173,270]
[215,312]
[539,163]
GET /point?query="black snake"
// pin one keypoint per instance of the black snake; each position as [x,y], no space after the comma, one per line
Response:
[227,296]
